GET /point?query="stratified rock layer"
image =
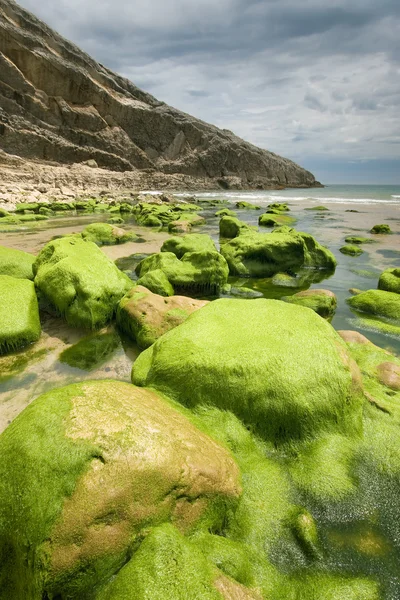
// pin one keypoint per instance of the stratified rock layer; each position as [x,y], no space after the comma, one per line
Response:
[58,104]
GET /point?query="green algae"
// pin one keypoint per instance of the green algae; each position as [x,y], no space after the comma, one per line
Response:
[80,281]
[91,351]
[317,208]
[225,212]
[16,363]
[16,263]
[19,314]
[166,566]
[247,205]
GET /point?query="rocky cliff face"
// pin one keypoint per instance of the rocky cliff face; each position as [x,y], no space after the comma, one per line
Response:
[57,104]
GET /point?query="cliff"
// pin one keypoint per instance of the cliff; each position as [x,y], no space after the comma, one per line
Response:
[58,105]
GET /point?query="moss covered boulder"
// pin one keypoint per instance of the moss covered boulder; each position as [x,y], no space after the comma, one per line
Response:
[105,234]
[195,242]
[80,281]
[253,254]
[357,239]
[94,466]
[16,263]
[378,303]
[19,314]
[323,302]
[381,228]
[389,281]
[281,368]
[199,273]
[247,205]
[157,282]
[275,220]
[351,250]
[145,316]
[231,227]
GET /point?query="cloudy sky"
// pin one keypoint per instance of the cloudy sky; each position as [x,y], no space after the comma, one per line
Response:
[317,81]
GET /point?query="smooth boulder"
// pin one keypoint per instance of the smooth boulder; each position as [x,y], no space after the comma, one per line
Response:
[80,281]
[145,316]
[19,314]
[280,368]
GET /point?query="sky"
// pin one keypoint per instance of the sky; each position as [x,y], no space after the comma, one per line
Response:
[317,81]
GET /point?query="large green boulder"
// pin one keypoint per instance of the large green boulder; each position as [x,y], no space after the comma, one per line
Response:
[106,234]
[199,273]
[253,254]
[16,263]
[80,281]
[19,314]
[194,242]
[378,303]
[275,219]
[86,471]
[390,281]
[280,368]
[157,282]
[351,250]
[145,316]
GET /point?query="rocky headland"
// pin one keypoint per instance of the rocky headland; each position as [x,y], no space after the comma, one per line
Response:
[68,122]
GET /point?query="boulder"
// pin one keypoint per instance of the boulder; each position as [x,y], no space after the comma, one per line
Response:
[196,273]
[145,316]
[351,250]
[195,242]
[157,282]
[16,263]
[19,314]
[275,220]
[382,228]
[280,368]
[253,254]
[323,302]
[86,472]
[80,281]
[378,303]
[231,227]
[357,239]
[105,234]
[389,281]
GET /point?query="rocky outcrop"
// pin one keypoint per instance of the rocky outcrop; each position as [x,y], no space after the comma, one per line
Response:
[60,106]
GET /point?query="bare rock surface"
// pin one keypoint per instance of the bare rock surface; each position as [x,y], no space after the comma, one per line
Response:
[60,107]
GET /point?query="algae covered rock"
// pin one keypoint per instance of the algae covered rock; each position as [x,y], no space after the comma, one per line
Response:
[231,227]
[351,250]
[16,263]
[145,316]
[195,242]
[157,282]
[106,234]
[247,205]
[19,314]
[381,228]
[377,302]
[275,220]
[80,281]
[255,254]
[280,368]
[390,281]
[201,273]
[100,463]
[357,239]
[323,302]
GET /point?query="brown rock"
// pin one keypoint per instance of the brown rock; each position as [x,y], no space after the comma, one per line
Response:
[389,374]
[146,316]
[353,337]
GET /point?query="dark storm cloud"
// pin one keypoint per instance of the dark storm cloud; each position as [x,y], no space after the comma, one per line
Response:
[302,78]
